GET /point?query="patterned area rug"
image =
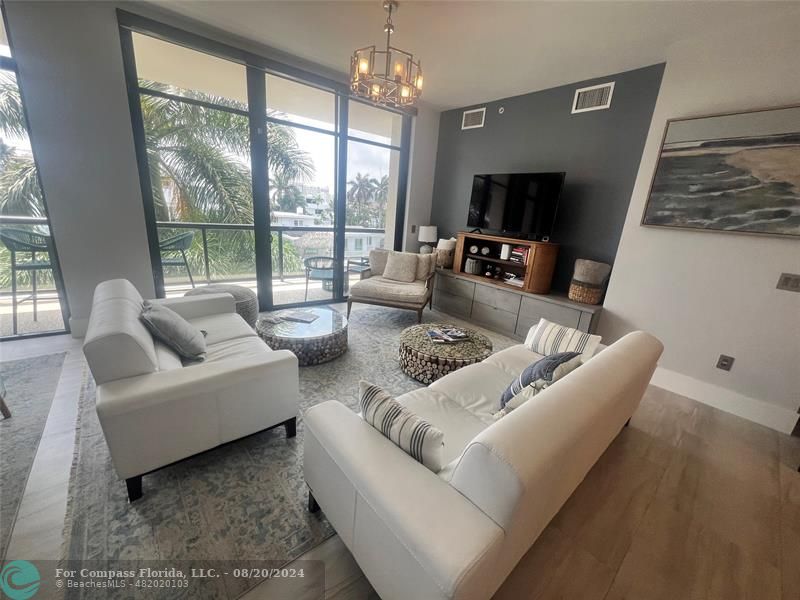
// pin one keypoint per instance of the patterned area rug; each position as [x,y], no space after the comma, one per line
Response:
[243,501]
[30,387]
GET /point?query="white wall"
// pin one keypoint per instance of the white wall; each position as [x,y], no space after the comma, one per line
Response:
[704,294]
[424,144]
[70,67]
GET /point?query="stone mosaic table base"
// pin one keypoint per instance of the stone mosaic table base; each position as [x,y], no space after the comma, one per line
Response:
[313,343]
[313,351]
[426,362]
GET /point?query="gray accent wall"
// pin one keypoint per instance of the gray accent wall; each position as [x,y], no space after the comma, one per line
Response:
[599,150]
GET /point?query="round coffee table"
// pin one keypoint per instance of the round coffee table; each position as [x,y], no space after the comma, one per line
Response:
[426,362]
[313,343]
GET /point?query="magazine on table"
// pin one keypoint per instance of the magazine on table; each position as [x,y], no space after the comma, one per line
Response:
[447,335]
[300,316]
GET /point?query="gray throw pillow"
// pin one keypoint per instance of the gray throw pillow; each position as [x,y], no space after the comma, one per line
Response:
[175,331]
[401,266]
[544,372]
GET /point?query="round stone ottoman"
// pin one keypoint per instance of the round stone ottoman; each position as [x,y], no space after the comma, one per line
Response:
[426,361]
[246,300]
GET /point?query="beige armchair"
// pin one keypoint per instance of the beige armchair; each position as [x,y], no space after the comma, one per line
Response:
[374,288]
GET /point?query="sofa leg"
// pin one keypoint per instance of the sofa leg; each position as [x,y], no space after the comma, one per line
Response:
[313,507]
[419,315]
[291,427]
[134,485]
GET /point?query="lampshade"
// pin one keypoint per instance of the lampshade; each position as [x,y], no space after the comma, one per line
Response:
[428,233]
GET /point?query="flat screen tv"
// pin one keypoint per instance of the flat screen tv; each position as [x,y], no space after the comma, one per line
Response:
[516,204]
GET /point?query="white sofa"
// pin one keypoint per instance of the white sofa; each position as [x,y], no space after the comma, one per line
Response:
[154,409]
[459,533]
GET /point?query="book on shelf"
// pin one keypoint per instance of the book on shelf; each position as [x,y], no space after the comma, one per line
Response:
[519,254]
[447,335]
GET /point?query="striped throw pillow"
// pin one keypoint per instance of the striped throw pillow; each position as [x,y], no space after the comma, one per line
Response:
[544,372]
[550,338]
[418,438]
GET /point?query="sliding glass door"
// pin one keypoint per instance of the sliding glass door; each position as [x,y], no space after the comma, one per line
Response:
[301,157]
[250,172]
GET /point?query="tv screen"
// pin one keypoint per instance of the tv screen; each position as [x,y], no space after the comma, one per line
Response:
[522,204]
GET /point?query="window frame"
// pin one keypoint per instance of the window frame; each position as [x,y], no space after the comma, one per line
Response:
[257,67]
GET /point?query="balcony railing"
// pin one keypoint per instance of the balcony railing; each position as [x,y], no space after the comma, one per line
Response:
[284,263]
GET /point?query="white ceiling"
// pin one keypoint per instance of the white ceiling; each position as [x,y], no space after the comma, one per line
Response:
[473,52]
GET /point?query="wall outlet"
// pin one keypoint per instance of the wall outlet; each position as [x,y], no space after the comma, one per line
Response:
[789,282]
[725,362]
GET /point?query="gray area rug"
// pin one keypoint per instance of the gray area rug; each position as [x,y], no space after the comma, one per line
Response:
[243,501]
[30,387]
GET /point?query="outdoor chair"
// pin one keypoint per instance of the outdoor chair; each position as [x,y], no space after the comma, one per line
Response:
[24,241]
[319,268]
[177,244]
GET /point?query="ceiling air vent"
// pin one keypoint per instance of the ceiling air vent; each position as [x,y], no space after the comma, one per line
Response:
[596,97]
[473,119]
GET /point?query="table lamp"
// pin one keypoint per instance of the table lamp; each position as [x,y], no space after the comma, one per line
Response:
[428,235]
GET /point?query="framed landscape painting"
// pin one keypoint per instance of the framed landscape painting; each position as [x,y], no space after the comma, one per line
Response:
[736,172]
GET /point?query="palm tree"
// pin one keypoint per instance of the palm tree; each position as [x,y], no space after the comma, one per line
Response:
[200,157]
[19,187]
[360,196]
[381,200]
[197,156]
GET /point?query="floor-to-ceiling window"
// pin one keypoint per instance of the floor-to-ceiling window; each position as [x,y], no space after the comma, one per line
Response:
[31,291]
[301,157]
[197,135]
[250,172]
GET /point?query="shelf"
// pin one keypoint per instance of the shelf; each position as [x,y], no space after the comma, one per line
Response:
[492,281]
[497,261]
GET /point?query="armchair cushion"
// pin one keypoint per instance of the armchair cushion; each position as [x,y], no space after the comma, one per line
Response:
[377,260]
[222,327]
[380,288]
[426,265]
[401,266]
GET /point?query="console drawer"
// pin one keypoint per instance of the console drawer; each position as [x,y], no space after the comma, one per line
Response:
[497,298]
[494,318]
[457,287]
[451,304]
[531,310]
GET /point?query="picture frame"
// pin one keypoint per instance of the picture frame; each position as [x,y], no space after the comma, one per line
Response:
[734,172]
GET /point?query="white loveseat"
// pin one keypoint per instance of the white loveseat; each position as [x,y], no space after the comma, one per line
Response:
[154,409]
[459,533]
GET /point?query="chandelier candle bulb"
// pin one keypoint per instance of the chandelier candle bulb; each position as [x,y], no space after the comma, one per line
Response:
[363,66]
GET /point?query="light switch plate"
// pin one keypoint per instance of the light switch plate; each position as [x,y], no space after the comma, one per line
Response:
[413,229]
[725,362]
[789,282]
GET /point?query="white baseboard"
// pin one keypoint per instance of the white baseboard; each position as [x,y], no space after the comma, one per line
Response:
[77,327]
[772,416]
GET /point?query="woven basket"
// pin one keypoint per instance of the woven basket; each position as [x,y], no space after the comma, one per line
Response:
[585,293]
